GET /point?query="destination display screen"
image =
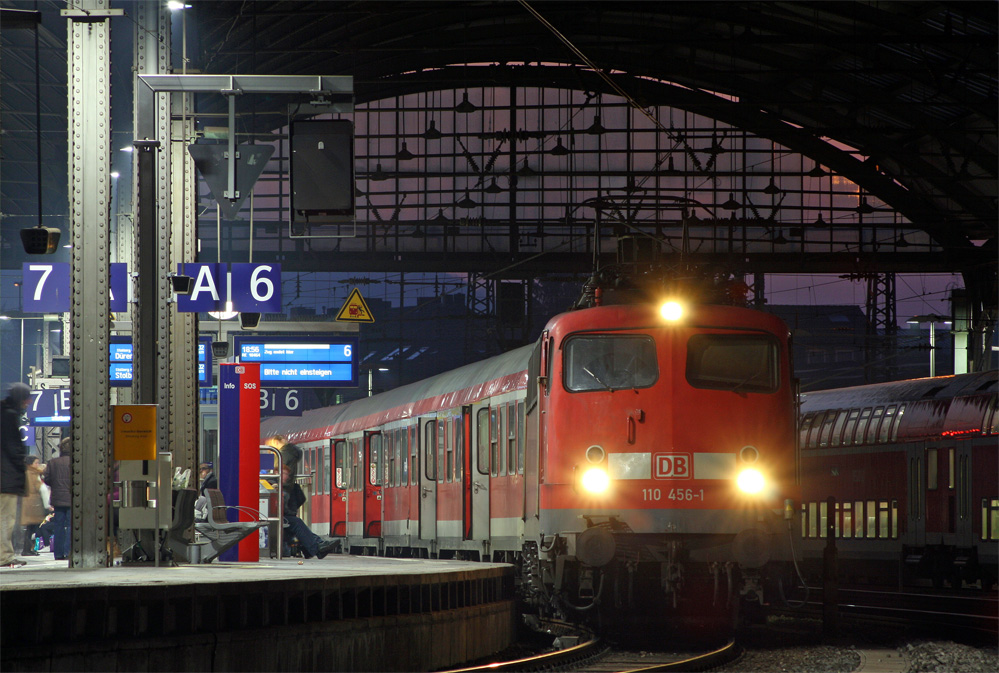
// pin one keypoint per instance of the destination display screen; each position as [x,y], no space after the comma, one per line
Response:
[120,360]
[301,361]
[204,361]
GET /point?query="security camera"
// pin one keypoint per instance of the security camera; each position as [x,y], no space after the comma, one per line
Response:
[40,240]
[220,350]
[249,320]
[182,284]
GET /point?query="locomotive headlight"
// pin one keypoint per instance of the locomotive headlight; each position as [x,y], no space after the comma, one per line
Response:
[671,310]
[750,481]
[596,480]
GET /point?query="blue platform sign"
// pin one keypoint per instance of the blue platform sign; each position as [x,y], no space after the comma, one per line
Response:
[209,290]
[301,361]
[45,287]
[256,288]
[204,361]
[120,361]
[50,406]
[119,287]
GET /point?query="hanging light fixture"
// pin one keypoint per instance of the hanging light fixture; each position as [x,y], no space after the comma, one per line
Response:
[779,238]
[864,208]
[731,203]
[772,188]
[379,174]
[901,242]
[816,171]
[493,188]
[404,154]
[596,128]
[465,106]
[559,150]
[526,171]
[466,202]
[670,168]
[440,216]
[432,133]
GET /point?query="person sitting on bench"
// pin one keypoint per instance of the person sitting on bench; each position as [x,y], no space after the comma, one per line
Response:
[295,528]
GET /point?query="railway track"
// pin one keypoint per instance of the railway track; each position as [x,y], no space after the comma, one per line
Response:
[580,650]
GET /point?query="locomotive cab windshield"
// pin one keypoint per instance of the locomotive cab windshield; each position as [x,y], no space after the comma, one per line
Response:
[610,362]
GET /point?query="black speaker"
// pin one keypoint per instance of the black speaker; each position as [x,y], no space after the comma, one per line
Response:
[182,284]
[322,168]
[220,350]
[40,240]
[249,320]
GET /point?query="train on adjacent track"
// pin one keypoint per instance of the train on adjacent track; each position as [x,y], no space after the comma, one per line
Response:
[638,459]
[912,468]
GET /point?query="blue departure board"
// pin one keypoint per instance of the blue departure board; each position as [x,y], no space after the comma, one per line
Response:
[204,361]
[301,361]
[120,360]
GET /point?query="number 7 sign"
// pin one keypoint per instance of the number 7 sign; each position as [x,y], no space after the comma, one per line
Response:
[45,287]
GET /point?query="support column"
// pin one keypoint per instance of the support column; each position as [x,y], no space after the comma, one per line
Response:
[88,32]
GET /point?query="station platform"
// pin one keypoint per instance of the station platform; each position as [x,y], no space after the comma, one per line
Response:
[341,613]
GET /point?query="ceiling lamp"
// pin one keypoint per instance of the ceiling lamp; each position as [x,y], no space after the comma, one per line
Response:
[559,150]
[772,188]
[379,174]
[900,242]
[432,133]
[493,188]
[440,216]
[404,154]
[864,208]
[670,168]
[596,128]
[816,171]
[779,238]
[819,222]
[731,204]
[465,106]
[466,202]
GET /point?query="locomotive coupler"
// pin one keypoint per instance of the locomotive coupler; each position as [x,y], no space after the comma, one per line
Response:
[752,588]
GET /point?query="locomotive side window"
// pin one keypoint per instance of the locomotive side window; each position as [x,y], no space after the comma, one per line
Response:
[482,440]
[740,363]
[430,451]
[609,363]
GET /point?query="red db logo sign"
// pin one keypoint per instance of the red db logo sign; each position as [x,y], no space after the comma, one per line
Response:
[671,465]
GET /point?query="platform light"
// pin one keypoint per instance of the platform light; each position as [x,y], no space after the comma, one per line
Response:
[750,481]
[227,314]
[596,480]
[671,310]
[175,5]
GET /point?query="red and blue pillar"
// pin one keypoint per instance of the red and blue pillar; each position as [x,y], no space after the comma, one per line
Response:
[239,450]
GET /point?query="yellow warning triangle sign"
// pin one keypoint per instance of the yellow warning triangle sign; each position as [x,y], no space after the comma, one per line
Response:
[354,309]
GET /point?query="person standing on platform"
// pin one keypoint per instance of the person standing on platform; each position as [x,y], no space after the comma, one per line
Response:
[59,476]
[295,528]
[12,473]
[32,507]
[206,474]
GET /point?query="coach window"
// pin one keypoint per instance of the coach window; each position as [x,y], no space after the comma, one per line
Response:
[482,440]
[865,416]
[413,455]
[883,530]
[521,437]
[950,469]
[340,473]
[847,519]
[884,434]
[827,426]
[990,518]
[806,423]
[851,424]
[895,423]
[872,429]
[837,432]
[740,363]
[816,429]
[495,455]
[511,438]
[932,477]
[459,448]
[430,451]
[609,363]
[894,518]
[445,449]
[324,469]
[872,520]
[858,517]
[375,468]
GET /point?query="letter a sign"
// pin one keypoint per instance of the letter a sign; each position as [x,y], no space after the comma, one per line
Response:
[354,309]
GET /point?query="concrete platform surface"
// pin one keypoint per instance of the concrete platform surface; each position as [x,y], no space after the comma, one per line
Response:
[42,572]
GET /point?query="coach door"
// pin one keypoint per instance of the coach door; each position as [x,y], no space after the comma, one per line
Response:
[373,484]
[964,527]
[478,474]
[940,510]
[338,489]
[428,478]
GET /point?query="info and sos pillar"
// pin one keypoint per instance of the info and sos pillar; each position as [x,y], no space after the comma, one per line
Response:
[239,450]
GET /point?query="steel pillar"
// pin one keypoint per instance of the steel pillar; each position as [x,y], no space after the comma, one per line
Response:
[89,83]
[882,329]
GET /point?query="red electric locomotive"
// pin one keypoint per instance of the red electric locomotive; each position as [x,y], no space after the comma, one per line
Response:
[912,466]
[633,460]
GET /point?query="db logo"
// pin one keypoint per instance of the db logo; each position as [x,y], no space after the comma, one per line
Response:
[240,370]
[671,465]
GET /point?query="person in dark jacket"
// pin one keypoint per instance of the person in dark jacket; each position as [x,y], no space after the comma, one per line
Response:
[206,473]
[295,528]
[59,476]
[12,477]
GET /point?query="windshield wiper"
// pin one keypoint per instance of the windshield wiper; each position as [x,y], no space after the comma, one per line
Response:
[598,380]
